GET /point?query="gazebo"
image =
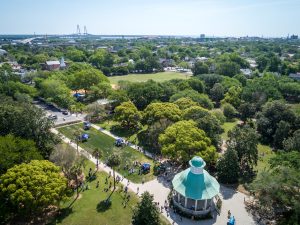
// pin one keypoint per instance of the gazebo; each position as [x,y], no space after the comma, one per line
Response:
[194,189]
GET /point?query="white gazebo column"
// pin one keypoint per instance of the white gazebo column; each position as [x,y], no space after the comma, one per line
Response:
[185,202]
[196,204]
[205,204]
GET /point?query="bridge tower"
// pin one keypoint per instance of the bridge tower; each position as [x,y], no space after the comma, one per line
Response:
[85,31]
[78,30]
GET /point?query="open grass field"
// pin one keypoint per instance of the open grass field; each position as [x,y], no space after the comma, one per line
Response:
[159,77]
[227,126]
[106,145]
[87,210]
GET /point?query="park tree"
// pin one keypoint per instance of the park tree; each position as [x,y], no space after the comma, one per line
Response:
[205,121]
[146,211]
[127,114]
[96,112]
[64,156]
[229,111]
[229,82]
[32,187]
[150,137]
[158,111]
[76,172]
[85,79]
[57,92]
[260,90]
[210,80]
[196,84]
[142,94]
[195,113]
[292,142]
[228,68]
[202,99]
[75,55]
[246,110]
[16,150]
[277,193]
[183,140]
[233,96]
[262,62]
[269,118]
[282,132]
[217,93]
[98,91]
[241,78]
[199,68]
[113,161]
[35,125]
[117,97]
[97,153]
[244,140]
[228,168]
[12,88]
[184,103]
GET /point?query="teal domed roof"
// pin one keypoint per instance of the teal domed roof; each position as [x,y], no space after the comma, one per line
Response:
[195,182]
[197,161]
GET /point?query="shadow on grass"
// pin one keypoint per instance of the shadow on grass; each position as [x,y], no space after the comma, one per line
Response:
[62,214]
[122,131]
[103,205]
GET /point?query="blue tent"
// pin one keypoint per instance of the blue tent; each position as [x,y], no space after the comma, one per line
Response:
[84,137]
[146,166]
[119,142]
[78,95]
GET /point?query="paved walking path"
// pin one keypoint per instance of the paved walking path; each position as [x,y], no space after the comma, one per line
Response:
[160,189]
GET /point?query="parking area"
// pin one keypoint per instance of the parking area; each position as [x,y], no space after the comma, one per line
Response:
[57,115]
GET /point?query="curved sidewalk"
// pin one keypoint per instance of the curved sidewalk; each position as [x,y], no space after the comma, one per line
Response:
[159,188]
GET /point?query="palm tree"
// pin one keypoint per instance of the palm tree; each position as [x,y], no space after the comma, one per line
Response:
[76,135]
[113,161]
[97,154]
[76,171]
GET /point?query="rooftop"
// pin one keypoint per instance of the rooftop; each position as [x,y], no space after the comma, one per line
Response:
[195,182]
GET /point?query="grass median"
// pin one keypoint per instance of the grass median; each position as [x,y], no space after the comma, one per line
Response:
[105,144]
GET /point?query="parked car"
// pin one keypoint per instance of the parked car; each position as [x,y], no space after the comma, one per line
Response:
[52,117]
[65,112]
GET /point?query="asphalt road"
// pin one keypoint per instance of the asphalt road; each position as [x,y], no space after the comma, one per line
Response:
[61,118]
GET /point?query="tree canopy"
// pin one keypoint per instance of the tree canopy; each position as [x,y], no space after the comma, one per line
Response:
[127,114]
[183,140]
[15,150]
[146,211]
[158,111]
[32,187]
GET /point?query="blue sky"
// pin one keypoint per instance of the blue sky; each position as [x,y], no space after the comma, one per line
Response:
[155,17]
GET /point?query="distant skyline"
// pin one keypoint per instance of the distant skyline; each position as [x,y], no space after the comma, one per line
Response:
[268,18]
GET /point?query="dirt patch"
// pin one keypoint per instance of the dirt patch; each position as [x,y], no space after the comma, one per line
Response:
[114,86]
[79,196]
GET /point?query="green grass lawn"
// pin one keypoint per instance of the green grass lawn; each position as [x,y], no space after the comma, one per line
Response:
[227,126]
[110,125]
[264,154]
[159,77]
[106,145]
[85,210]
